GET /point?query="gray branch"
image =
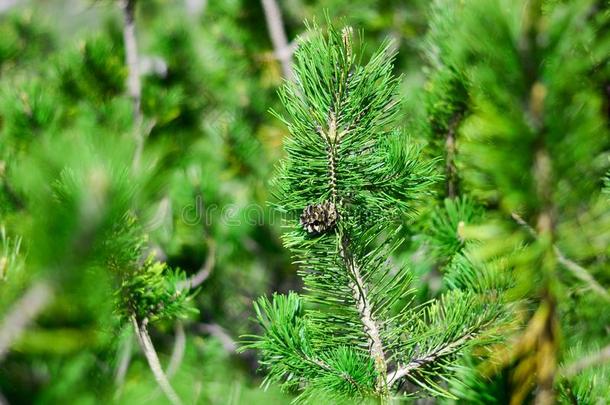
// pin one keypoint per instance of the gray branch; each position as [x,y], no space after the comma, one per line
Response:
[221,334]
[153,360]
[592,360]
[23,312]
[577,270]
[204,272]
[134,85]
[275,25]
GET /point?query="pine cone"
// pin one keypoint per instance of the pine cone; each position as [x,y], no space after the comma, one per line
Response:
[319,218]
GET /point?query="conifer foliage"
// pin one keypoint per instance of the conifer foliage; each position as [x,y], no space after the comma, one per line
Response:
[349,178]
[445,201]
[518,106]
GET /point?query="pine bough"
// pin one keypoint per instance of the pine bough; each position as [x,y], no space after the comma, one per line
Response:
[349,178]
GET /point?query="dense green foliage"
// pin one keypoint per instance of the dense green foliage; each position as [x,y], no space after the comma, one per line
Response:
[436,226]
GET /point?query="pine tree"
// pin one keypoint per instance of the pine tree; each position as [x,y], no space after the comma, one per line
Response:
[517,105]
[349,179]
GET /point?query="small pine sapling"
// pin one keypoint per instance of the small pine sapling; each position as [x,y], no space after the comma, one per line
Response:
[349,177]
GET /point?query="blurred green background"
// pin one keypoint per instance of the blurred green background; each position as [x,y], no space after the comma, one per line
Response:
[209,78]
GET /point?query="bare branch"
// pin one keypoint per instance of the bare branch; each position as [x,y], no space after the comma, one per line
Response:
[594,359]
[178,351]
[134,85]
[283,51]
[153,360]
[204,272]
[288,52]
[219,333]
[525,225]
[581,273]
[577,270]
[23,312]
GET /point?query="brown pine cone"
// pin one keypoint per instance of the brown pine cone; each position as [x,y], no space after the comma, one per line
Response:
[319,218]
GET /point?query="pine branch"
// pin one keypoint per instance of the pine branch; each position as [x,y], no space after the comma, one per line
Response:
[134,85]
[547,340]
[22,313]
[327,368]
[332,137]
[349,176]
[581,273]
[288,353]
[577,270]
[594,359]
[153,360]
[357,285]
[283,51]
[415,364]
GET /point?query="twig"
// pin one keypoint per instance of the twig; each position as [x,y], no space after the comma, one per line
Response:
[581,273]
[525,225]
[134,85]
[597,358]
[204,272]
[178,351]
[418,363]
[153,360]
[219,333]
[23,312]
[286,52]
[196,280]
[577,270]
[275,25]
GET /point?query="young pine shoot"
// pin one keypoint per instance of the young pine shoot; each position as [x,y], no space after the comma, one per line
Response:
[349,178]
